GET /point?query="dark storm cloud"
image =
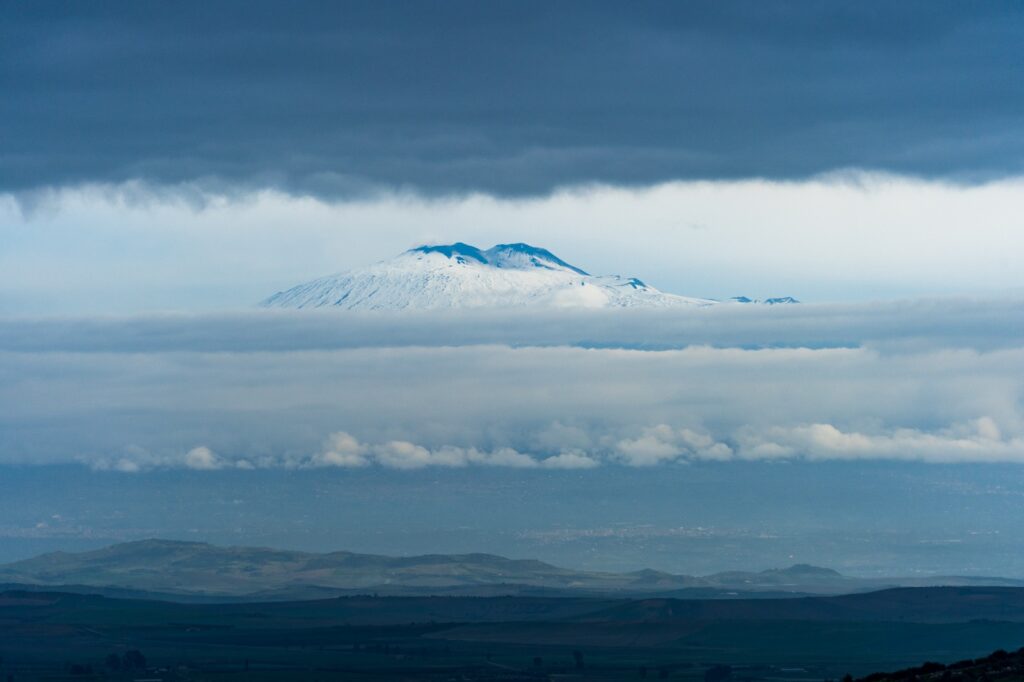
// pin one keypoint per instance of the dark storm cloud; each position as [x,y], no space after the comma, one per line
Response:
[510,98]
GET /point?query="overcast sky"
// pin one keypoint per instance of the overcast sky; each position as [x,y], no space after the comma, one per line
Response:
[505,97]
[195,156]
[165,166]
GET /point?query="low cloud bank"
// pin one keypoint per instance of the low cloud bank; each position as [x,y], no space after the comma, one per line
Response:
[979,441]
[929,381]
[911,325]
[343,450]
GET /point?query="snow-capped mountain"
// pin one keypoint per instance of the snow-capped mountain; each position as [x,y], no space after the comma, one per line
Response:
[464,276]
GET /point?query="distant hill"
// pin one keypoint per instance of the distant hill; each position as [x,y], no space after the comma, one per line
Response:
[195,569]
[913,604]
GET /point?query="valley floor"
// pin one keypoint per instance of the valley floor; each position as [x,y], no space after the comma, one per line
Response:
[50,636]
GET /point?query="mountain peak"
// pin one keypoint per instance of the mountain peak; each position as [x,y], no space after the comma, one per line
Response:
[461,275]
[520,255]
[456,251]
[517,256]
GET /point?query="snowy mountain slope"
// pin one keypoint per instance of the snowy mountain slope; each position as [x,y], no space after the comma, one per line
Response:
[464,276]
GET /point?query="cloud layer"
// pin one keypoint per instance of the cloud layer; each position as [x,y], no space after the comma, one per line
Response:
[928,381]
[344,99]
[342,450]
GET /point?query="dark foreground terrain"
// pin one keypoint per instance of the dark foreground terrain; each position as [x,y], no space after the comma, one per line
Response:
[53,635]
[1000,665]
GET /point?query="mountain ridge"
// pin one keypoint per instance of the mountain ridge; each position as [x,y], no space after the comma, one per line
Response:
[203,569]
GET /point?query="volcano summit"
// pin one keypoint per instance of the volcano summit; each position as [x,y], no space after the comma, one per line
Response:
[463,276]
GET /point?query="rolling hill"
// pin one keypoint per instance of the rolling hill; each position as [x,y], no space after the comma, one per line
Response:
[195,569]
